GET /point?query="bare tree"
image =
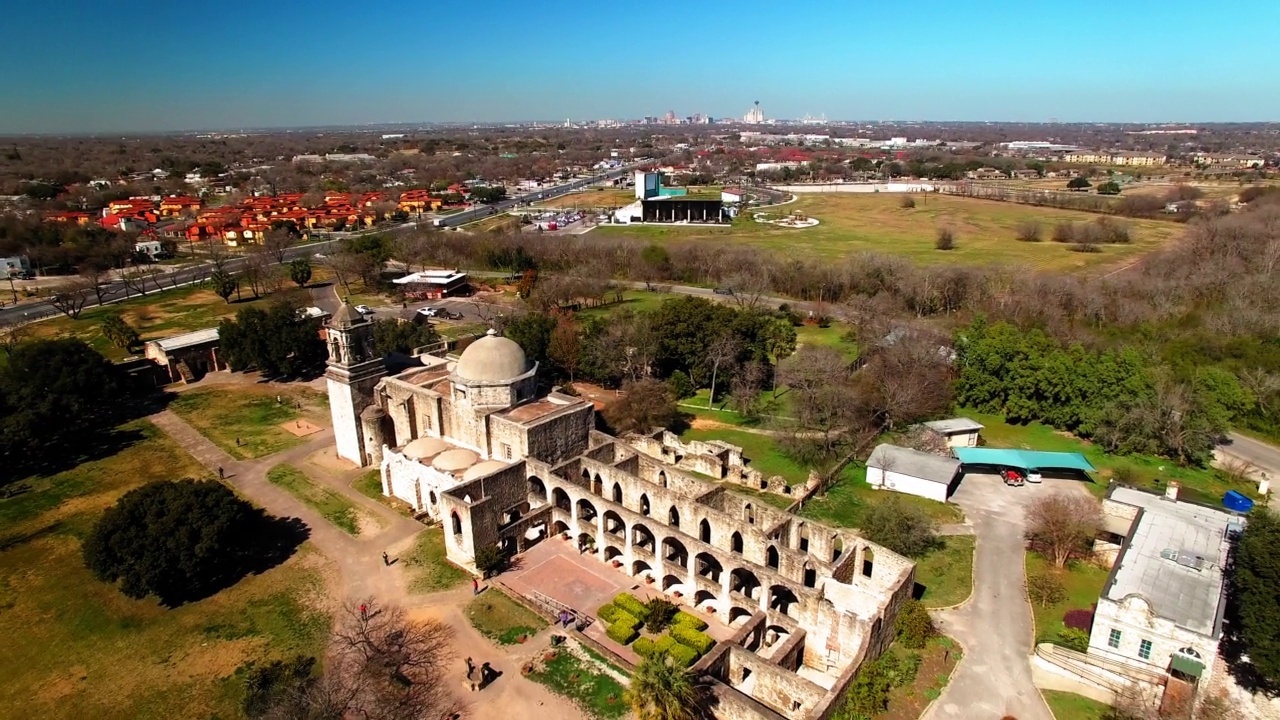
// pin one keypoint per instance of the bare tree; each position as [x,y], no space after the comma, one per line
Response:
[70,298]
[13,330]
[645,404]
[276,243]
[720,353]
[909,378]
[346,267]
[1062,526]
[96,277]
[257,266]
[747,384]
[749,287]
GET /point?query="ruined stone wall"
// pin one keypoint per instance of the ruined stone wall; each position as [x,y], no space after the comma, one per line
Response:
[785,692]
[562,436]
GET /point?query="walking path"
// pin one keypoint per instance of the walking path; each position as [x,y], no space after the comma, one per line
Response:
[362,573]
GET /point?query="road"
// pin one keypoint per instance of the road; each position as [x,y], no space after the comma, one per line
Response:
[1255,452]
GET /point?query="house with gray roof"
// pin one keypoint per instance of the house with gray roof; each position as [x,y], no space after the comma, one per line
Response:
[912,472]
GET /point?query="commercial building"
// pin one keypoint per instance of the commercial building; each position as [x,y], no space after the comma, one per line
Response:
[433,284]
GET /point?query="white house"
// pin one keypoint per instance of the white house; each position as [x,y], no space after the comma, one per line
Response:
[732,195]
[1161,609]
[150,248]
[959,432]
[912,472]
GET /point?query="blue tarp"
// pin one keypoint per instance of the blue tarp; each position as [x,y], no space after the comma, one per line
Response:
[1025,459]
[1235,501]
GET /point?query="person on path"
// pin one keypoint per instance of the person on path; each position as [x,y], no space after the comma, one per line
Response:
[221,474]
[475,586]
[486,674]
[364,612]
[471,668]
[385,559]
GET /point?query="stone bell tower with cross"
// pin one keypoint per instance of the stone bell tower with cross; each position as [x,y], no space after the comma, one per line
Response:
[353,372]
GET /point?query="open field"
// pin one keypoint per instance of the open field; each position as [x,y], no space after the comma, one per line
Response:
[1069,706]
[1204,485]
[847,501]
[155,315]
[594,198]
[79,648]
[426,566]
[250,415]
[335,508]
[856,222]
[597,693]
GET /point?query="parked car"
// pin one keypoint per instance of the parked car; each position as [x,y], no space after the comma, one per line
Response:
[428,311]
[1012,477]
[1034,476]
[364,309]
[723,291]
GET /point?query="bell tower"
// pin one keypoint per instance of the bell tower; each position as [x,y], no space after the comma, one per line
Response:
[352,374]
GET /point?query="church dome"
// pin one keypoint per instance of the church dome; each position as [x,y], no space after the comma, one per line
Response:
[424,448]
[455,460]
[479,470]
[492,359]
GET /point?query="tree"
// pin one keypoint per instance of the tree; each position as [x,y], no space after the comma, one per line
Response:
[662,690]
[1110,187]
[58,400]
[1062,526]
[1029,231]
[380,665]
[396,336]
[224,284]
[300,271]
[1045,588]
[722,351]
[490,560]
[645,404]
[276,684]
[1079,182]
[275,341]
[946,239]
[902,528]
[532,332]
[181,541]
[1254,587]
[564,347]
[276,242]
[71,298]
[913,625]
[118,332]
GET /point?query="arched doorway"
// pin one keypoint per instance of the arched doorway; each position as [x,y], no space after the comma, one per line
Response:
[642,537]
[644,504]
[537,490]
[560,499]
[744,582]
[597,486]
[586,511]
[736,542]
[782,599]
[837,547]
[707,566]
[456,523]
[673,551]
[810,576]
[673,517]
[613,524]
[868,562]
[617,493]
[704,531]
[771,557]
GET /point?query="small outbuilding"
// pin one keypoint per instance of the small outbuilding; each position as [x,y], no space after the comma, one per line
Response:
[959,432]
[187,357]
[912,472]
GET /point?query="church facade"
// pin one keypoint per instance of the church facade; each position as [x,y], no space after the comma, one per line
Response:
[475,444]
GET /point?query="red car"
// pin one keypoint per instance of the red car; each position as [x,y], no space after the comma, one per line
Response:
[1013,477]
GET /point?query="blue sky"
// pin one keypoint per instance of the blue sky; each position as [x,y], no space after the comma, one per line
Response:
[115,66]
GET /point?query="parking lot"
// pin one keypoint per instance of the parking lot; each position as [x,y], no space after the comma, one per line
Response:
[469,310]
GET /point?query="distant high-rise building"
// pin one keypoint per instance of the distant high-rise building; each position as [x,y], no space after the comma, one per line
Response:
[670,117]
[755,115]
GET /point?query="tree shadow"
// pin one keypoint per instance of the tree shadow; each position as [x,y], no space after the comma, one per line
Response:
[274,540]
[89,447]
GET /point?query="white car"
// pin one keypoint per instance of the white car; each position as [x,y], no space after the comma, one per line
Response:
[428,311]
[364,309]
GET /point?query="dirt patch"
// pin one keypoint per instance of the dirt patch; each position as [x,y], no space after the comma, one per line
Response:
[705,424]
[301,428]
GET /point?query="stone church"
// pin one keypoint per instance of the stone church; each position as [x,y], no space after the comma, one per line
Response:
[478,444]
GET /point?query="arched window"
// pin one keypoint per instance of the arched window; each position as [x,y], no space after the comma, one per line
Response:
[771,557]
[810,576]
[1189,652]
[749,514]
[644,505]
[737,542]
[837,547]
[457,523]
[673,517]
[704,531]
[868,562]
[662,478]
[432,495]
[617,493]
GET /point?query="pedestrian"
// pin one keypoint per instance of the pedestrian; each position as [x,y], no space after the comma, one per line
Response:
[475,586]
[385,559]
[279,400]
[237,442]
[486,674]
[471,668]
[221,475]
[364,612]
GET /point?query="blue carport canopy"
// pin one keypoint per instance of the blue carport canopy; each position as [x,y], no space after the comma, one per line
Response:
[1025,459]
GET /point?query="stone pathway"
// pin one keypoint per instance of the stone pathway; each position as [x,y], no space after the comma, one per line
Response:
[361,572]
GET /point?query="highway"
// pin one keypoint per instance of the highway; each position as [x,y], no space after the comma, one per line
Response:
[118,291]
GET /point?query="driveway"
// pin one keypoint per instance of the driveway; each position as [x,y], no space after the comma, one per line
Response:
[994,626]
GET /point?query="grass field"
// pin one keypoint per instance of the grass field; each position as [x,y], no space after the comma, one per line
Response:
[761,450]
[947,573]
[598,694]
[1069,706]
[426,567]
[77,647]
[1083,583]
[333,506]
[848,500]
[502,619]
[251,414]
[593,198]
[1206,485]
[370,485]
[154,315]
[856,222]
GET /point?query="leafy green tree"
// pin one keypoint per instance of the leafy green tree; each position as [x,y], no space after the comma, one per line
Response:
[1079,182]
[681,386]
[645,404]
[224,284]
[1109,188]
[902,528]
[658,613]
[532,332]
[662,690]
[490,560]
[58,400]
[118,332]
[179,541]
[913,625]
[395,336]
[1255,585]
[276,341]
[300,271]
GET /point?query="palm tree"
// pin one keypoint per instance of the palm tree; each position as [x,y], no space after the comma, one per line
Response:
[662,690]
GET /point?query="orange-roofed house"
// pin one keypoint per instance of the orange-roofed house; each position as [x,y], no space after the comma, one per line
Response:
[177,204]
[79,218]
[129,205]
[418,201]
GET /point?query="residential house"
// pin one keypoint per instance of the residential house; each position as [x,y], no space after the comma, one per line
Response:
[151,248]
[177,204]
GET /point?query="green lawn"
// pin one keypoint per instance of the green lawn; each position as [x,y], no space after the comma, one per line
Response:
[848,500]
[1069,706]
[335,508]
[761,450]
[947,573]
[250,414]
[779,501]
[425,564]
[77,647]
[1206,485]
[370,485]
[1083,583]
[636,300]
[832,336]
[502,619]
[598,694]
[986,231]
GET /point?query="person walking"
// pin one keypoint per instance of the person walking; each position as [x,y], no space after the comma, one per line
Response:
[475,586]
[486,674]
[471,668]
[221,474]
[385,559]
[364,612]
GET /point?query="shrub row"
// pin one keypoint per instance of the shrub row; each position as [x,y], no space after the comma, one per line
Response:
[608,613]
[644,647]
[685,620]
[698,641]
[621,633]
[684,656]
[631,604]
[627,620]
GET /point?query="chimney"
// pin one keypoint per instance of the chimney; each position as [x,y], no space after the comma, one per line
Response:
[1171,491]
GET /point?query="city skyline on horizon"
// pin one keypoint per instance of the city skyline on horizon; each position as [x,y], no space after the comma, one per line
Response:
[926,60]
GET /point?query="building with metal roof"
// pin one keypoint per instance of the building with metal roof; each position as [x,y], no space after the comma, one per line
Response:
[1025,459]
[912,472]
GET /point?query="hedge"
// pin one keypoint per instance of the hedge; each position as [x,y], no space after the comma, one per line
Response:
[699,641]
[683,656]
[664,644]
[644,647]
[608,613]
[621,634]
[684,619]
[626,620]
[631,604]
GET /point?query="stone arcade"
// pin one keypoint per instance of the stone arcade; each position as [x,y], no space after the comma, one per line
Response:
[475,444]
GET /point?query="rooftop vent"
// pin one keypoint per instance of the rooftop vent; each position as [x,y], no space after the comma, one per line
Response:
[1186,558]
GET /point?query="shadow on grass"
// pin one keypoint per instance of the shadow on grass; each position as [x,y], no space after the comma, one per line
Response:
[276,539]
